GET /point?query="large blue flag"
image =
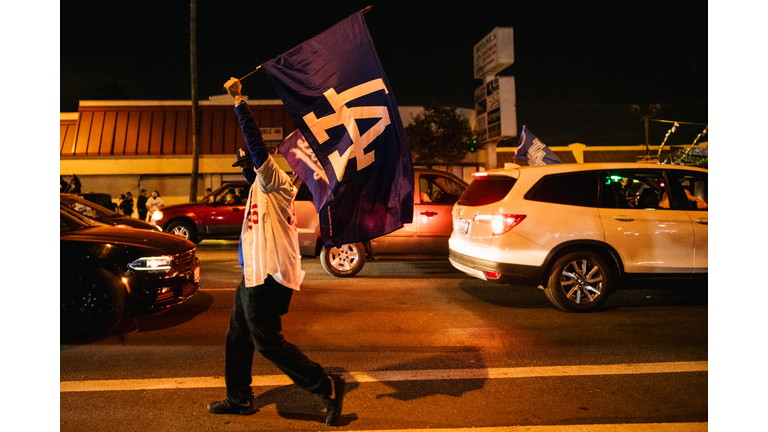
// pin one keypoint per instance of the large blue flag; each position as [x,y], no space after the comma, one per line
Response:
[534,151]
[335,89]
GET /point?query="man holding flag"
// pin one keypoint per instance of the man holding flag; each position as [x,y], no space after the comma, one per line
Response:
[351,150]
[269,256]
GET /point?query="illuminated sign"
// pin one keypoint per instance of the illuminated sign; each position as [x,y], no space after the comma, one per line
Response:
[496,114]
[494,52]
[272,134]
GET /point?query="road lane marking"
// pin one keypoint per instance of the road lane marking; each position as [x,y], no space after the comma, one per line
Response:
[629,427]
[385,376]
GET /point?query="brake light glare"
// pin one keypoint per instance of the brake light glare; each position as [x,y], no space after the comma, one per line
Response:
[493,275]
[500,223]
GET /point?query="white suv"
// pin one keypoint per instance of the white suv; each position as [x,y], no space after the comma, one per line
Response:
[580,229]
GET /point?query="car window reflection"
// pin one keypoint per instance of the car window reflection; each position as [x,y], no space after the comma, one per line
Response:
[437,189]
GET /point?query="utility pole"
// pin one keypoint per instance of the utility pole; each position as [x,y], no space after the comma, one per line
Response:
[195,116]
[651,112]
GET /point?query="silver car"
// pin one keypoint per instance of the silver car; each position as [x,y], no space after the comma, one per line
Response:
[435,192]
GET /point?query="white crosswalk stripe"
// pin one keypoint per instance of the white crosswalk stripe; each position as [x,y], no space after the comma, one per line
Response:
[632,427]
[386,376]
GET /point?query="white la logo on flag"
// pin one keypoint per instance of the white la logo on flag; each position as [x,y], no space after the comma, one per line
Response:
[347,117]
[536,153]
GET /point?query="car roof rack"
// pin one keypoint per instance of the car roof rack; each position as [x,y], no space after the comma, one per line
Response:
[647,159]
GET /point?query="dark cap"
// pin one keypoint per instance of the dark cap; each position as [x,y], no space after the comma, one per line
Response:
[243,155]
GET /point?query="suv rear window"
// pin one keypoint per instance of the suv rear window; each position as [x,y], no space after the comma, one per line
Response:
[577,189]
[486,190]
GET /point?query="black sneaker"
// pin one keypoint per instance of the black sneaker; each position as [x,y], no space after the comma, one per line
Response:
[228,407]
[335,400]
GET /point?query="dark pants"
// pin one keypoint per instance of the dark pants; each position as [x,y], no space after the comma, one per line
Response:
[255,324]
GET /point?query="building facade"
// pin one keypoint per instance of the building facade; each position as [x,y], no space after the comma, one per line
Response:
[119,146]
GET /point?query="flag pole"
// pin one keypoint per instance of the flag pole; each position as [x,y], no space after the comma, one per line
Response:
[696,140]
[258,68]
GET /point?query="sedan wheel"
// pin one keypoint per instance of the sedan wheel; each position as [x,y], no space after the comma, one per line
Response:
[579,282]
[183,229]
[92,301]
[343,261]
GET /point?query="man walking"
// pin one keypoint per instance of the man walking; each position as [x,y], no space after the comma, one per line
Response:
[269,256]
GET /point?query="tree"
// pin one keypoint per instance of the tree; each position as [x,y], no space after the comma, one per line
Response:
[439,136]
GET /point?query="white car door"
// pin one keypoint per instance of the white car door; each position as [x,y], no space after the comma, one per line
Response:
[701,241]
[650,241]
[649,236]
[695,187]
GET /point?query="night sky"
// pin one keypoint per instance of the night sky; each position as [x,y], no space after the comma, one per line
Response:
[578,67]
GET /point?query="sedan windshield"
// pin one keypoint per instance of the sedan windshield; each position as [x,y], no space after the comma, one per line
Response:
[87,208]
[68,223]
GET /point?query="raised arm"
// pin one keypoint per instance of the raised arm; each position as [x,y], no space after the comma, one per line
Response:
[251,132]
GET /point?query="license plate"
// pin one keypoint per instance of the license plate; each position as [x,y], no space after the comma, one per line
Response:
[463,226]
[197,274]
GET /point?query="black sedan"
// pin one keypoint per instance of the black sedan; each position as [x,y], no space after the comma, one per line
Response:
[93,212]
[106,272]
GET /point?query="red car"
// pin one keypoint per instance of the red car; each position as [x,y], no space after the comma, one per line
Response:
[217,216]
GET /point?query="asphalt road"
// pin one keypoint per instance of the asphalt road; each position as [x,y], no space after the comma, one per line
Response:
[422,346]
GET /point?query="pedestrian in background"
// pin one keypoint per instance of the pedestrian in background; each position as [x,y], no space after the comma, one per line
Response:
[141,205]
[153,203]
[269,255]
[126,205]
[74,185]
[120,203]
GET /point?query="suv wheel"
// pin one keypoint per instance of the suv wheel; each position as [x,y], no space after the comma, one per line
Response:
[183,229]
[343,261]
[579,282]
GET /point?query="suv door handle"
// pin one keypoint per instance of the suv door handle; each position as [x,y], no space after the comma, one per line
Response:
[624,218]
[702,221]
[429,213]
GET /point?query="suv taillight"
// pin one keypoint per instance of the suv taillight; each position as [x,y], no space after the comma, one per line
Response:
[500,223]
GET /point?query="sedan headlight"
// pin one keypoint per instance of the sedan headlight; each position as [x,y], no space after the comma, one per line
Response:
[153,264]
[157,215]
